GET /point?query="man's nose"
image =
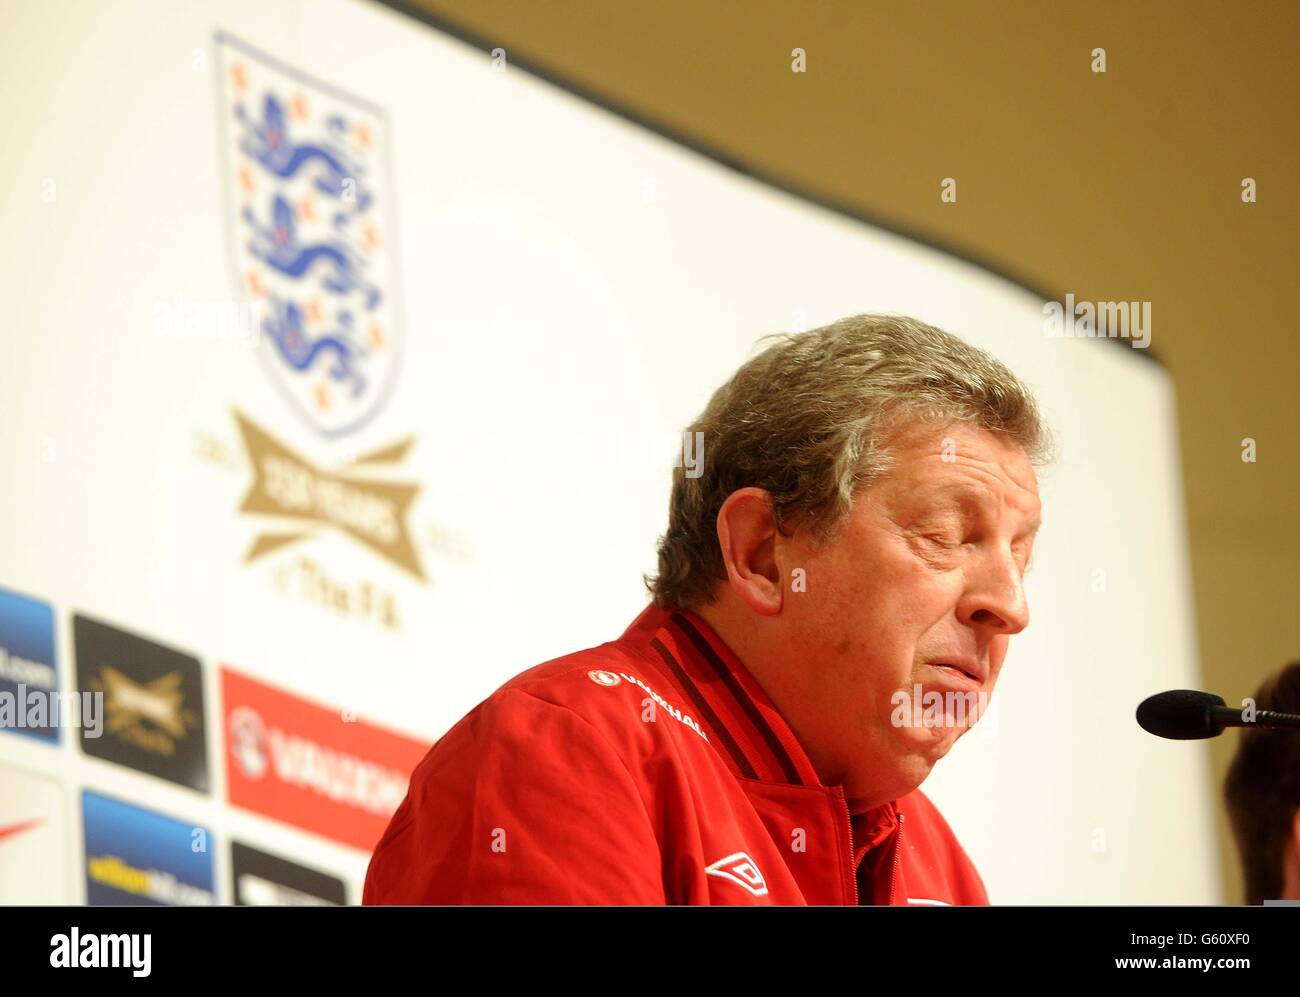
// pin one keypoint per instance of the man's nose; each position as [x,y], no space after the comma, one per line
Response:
[995,596]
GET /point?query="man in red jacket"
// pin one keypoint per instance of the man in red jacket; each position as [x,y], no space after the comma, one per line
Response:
[837,587]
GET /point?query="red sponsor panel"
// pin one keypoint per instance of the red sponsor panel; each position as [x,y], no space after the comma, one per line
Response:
[310,766]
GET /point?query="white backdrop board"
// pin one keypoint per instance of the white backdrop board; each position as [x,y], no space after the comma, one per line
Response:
[527,297]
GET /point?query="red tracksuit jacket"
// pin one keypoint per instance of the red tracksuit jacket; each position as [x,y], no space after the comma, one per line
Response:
[652,769]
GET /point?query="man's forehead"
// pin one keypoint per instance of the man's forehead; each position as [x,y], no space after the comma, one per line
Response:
[936,438]
[965,461]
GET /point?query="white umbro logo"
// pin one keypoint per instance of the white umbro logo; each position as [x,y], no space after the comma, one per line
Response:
[741,870]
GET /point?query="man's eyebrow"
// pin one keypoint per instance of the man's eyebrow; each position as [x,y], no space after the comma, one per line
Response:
[961,491]
[981,497]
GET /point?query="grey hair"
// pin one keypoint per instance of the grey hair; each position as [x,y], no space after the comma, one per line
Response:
[810,420]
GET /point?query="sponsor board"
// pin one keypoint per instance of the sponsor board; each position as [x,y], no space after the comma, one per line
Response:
[152,703]
[259,879]
[318,769]
[35,850]
[137,857]
[28,672]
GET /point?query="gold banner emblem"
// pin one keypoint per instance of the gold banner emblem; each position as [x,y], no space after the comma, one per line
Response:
[371,512]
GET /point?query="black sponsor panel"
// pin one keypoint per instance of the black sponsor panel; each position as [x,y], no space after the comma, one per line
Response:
[262,880]
[153,713]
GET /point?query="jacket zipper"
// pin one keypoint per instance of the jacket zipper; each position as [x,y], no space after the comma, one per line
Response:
[898,848]
[893,872]
[848,824]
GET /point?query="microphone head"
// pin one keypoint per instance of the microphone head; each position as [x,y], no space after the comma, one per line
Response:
[1181,714]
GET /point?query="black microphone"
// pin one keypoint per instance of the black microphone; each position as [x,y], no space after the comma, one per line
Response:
[1185,715]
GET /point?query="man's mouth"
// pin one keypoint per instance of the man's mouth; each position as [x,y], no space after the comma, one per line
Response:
[965,671]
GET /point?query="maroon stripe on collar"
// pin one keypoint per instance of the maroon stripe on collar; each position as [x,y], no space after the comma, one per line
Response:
[741,698]
[705,712]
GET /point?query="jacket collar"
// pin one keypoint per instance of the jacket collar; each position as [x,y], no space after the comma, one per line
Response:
[741,720]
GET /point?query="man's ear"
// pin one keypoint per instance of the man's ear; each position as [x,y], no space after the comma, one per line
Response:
[747,536]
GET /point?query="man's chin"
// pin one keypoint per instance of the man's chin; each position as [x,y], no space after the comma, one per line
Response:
[929,744]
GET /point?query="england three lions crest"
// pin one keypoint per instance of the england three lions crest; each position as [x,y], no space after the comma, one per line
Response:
[309,209]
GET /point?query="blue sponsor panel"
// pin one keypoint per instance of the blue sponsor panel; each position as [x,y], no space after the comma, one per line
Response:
[141,858]
[29,679]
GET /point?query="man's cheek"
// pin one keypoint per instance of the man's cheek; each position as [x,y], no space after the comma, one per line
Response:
[997,655]
[921,603]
